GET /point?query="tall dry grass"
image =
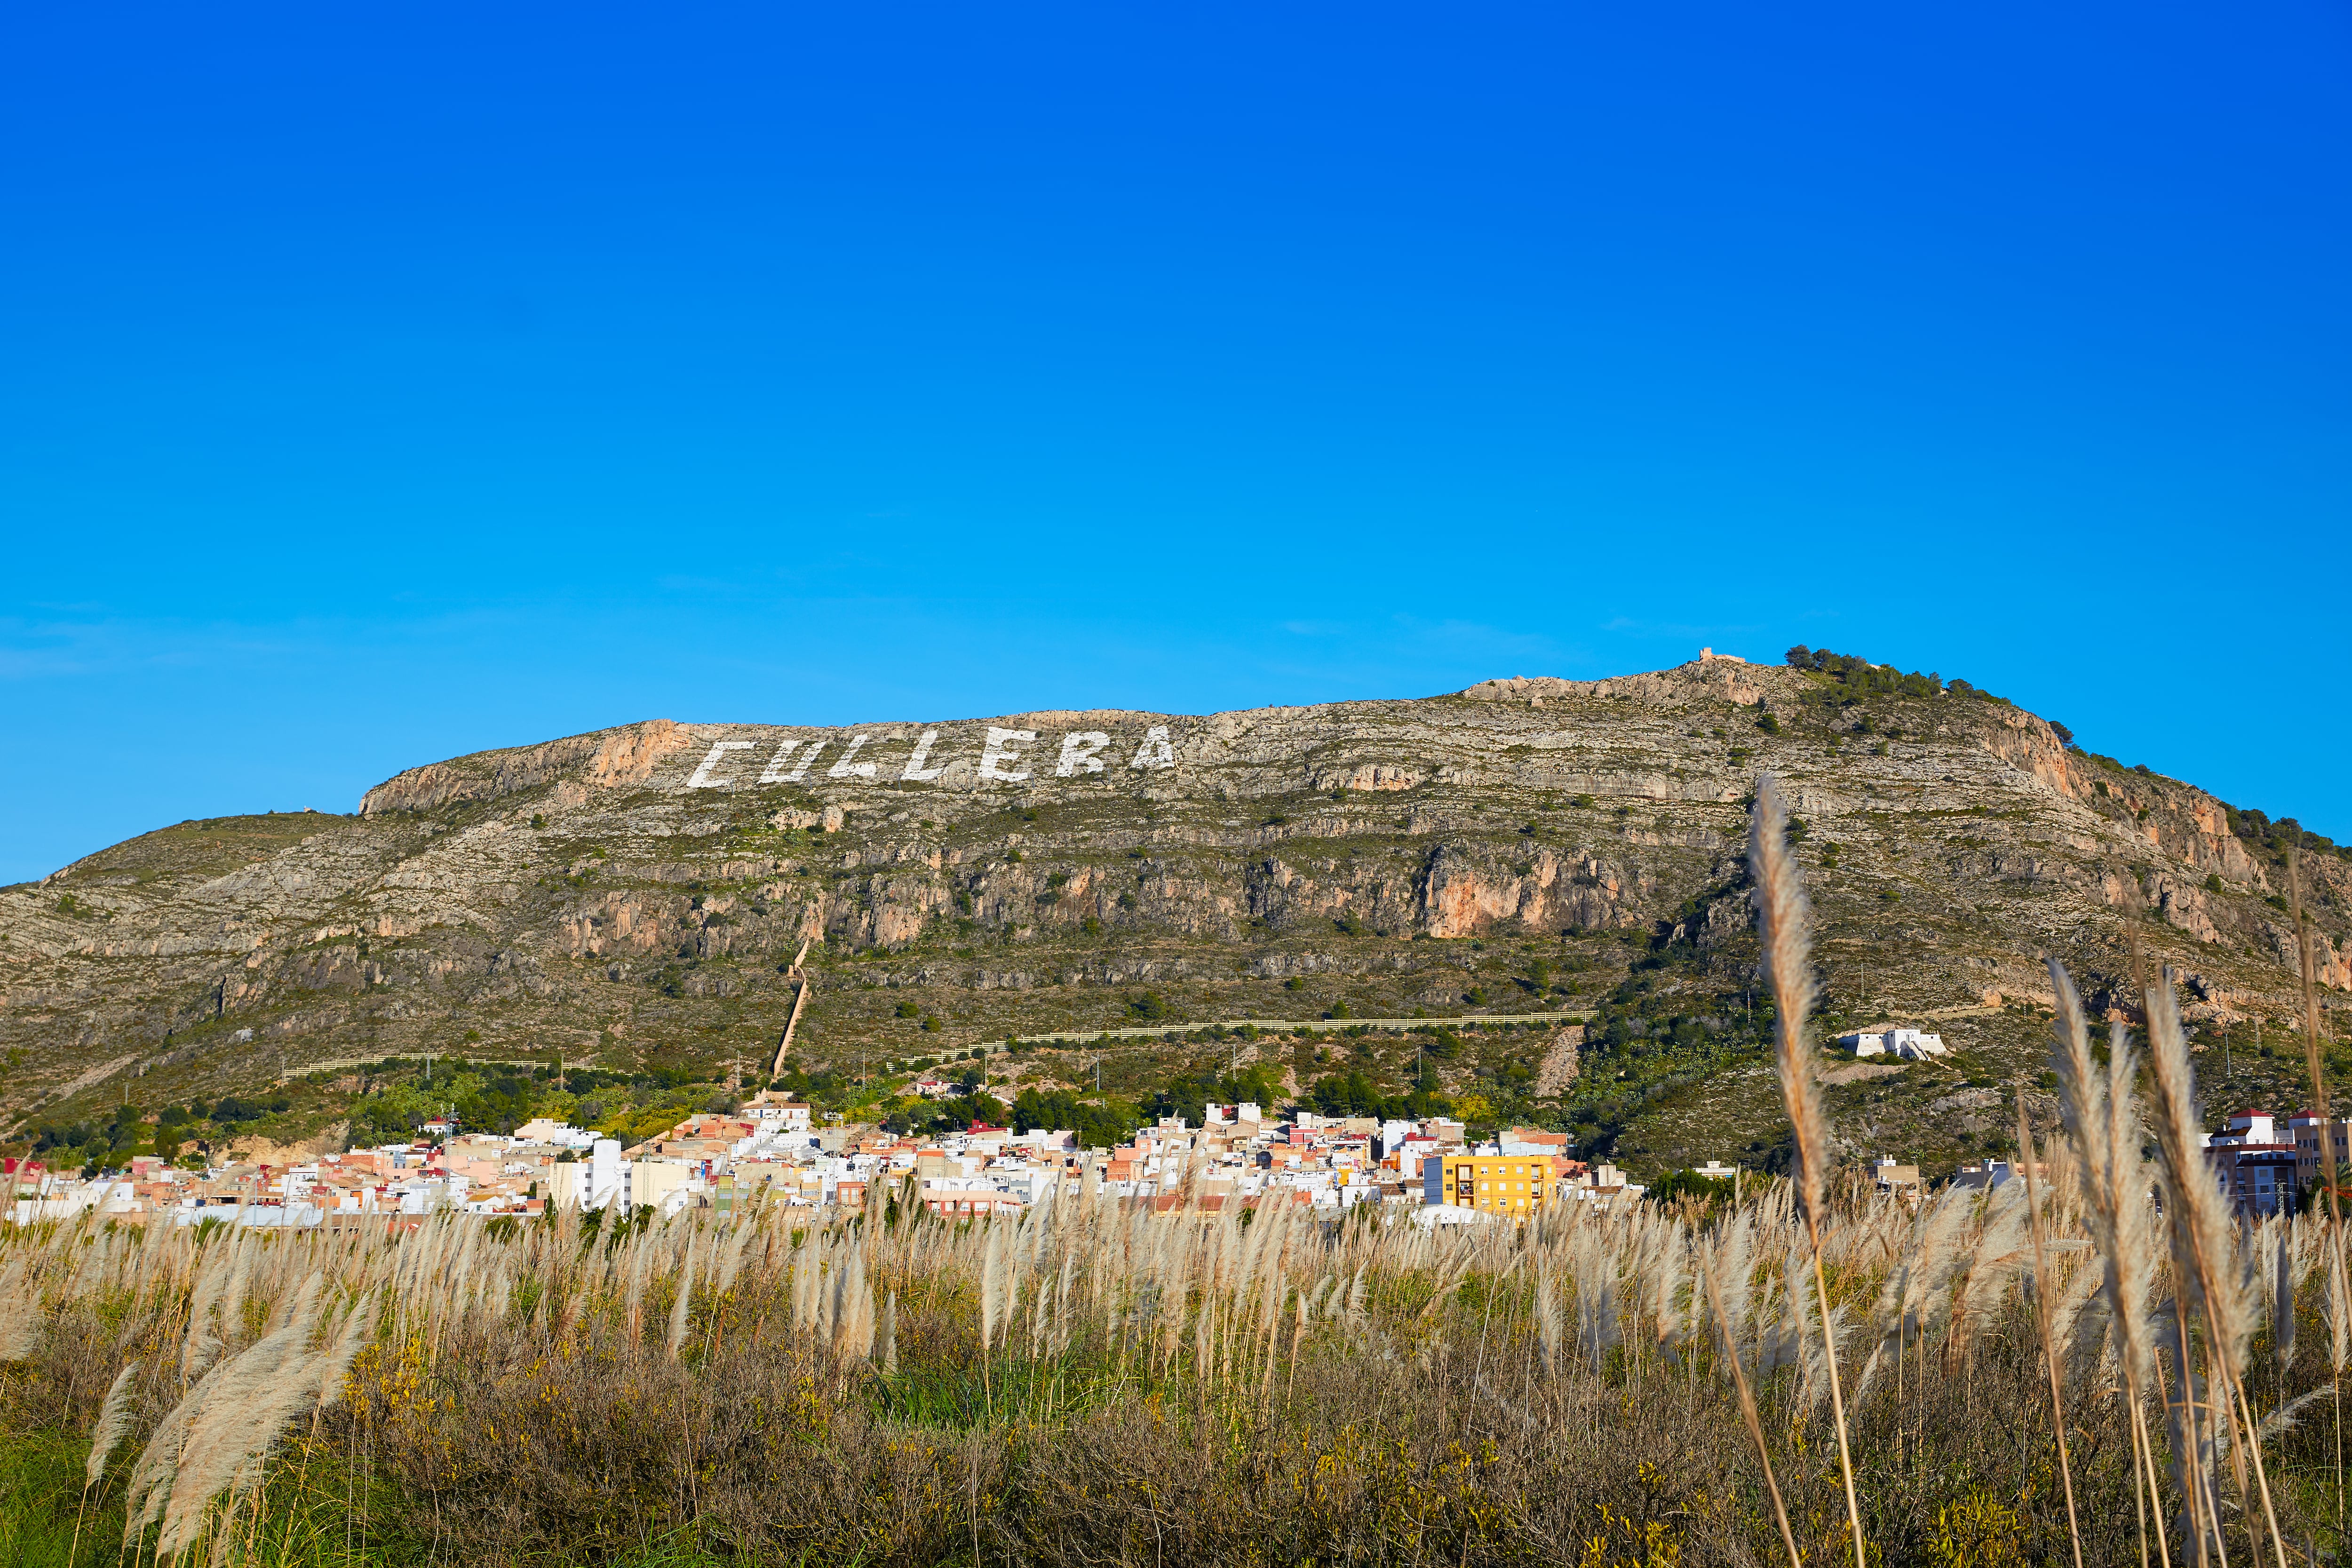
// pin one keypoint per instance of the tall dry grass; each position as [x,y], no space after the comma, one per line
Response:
[1783,923]
[1100,1384]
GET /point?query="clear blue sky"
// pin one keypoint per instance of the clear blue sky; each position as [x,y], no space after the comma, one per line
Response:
[383,383]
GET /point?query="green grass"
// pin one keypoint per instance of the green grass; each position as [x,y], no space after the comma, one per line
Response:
[45,1521]
[40,1491]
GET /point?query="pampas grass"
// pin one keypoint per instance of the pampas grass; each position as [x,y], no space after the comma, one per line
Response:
[1782,922]
[2202,1232]
[1574,1337]
[2210,1275]
[684,1301]
[2305,965]
[20,1313]
[157,1470]
[1103,1378]
[256,1392]
[2041,1317]
[2100,1107]
[115,1416]
[1724,1325]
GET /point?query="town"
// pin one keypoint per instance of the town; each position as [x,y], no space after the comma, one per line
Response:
[774,1150]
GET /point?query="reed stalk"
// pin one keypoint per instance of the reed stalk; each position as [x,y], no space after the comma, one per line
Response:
[2306,966]
[2041,1321]
[1747,1409]
[2100,1108]
[2202,1243]
[1782,920]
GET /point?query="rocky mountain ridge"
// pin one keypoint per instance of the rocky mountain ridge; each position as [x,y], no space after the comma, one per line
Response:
[629,896]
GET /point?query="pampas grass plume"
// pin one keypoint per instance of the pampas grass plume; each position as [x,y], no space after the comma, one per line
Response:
[1782,922]
[1783,917]
[2203,1241]
[2100,1110]
[20,1313]
[158,1466]
[114,1417]
[680,1308]
[1548,1321]
[992,1281]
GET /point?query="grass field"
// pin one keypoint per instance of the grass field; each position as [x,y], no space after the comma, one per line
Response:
[1091,1384]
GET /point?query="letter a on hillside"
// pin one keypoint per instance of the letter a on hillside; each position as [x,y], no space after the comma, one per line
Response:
[1155,751]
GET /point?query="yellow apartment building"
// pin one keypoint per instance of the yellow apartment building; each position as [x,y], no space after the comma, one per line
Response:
[1499,1183]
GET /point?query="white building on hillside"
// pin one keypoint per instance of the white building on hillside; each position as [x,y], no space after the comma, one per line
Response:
[1912,1045]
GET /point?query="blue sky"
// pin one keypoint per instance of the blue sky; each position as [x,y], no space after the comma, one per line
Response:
[380,383]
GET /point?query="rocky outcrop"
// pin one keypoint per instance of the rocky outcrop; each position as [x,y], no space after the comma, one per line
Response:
[1560,1060]
[2182,905]
[609,759]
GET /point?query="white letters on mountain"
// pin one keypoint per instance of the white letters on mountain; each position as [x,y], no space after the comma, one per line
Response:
[1155,751]
[1082,753]
[702,779]
[846,768]
[774,771]
[1078,750]
[999,751]
[916,772]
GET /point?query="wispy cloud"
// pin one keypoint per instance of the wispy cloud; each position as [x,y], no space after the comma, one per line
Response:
[1635,627]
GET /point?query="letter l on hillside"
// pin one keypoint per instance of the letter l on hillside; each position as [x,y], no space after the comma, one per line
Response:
[774,771]
[915,772]
[702,779]
[846,768]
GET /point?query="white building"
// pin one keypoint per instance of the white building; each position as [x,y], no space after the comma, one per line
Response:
[605,1174]
[2250,1127]
[559,1134]
[1912,1045]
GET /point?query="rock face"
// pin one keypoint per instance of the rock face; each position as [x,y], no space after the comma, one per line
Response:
[630,894]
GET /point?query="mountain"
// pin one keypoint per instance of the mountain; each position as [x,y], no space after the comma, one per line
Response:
[632,898]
